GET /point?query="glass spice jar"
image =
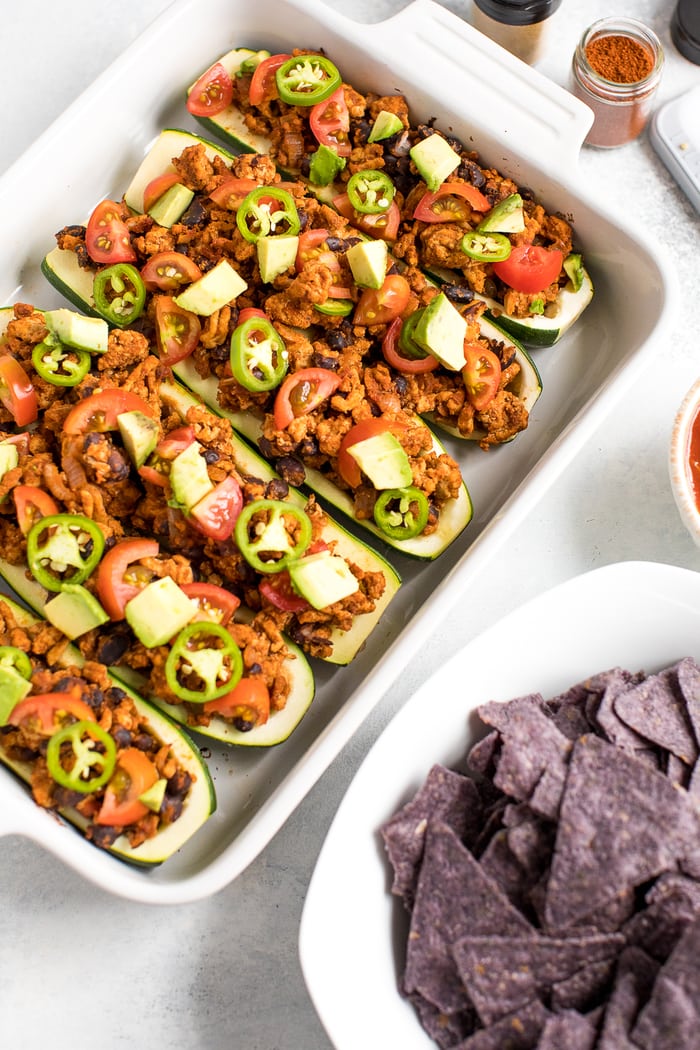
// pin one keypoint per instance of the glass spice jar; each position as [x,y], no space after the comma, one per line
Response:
[616,70]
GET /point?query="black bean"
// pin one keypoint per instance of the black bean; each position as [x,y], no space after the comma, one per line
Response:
[119,466]
[122,736]
[308,447]
[179,784]
[195,214]
[303,218]
[291,469]
[472,173]
[211,455]
[319,360]
[64,685]
[277,489]
[255,669]
[102,836]
[458,293]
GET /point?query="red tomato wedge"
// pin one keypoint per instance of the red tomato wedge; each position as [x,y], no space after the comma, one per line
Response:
[302,392]
[175,442]
[99,411]
[213,602]
[278,591]
[384,225]
[348,468]
[169,271]
[232,191]
[120,577]
[17,392]
[177,330]
[31,504]
[529,268]
[481,374]
[107,236]
[394,357]
[263,84]
[47,712]
[251,311]
[134,774]
[157,187]
[215,515]
[381,305]
[453,202]
[312,245]
[330,122]
[248,702]
[212,93]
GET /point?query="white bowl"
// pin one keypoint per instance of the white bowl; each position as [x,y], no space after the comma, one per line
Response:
[678,464]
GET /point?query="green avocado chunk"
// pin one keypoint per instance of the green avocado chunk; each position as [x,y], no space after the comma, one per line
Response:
[322,579]
[383,459]
[172,205]
[75,611]
[158,612]
[435,160]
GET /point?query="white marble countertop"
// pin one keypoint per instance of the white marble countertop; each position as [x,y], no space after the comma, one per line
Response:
[81,968]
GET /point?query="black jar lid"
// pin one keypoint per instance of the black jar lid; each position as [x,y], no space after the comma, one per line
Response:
[518,12]
[685,29]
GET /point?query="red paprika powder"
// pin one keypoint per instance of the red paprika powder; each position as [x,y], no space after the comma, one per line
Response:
[616,71]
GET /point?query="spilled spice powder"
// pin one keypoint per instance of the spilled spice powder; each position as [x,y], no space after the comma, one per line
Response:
[619,59]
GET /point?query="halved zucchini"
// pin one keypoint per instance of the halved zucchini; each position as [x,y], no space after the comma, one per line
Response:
[455,515]
[201,801]
[229,125]
[276,729]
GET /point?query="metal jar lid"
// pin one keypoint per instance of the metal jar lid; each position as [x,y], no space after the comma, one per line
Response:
[685,29]
[518,12]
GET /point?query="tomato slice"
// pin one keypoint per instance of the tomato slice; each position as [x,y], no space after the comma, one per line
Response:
[394,357]
[330,122]
[120,577]
[175,442]
[215,515]
[381,305]
[177,330]
[263,84]
[157,187]
[212,93]
[384,225]
[348,468]
[169,271]
[251,311]
[312,245]
[17,392]
[481,374]
[302,392]
[99,411]
[107,236]
[134,774]
[453,202]
[47,712]
[213,602]
[32,503]
[529,268]
[231,192]
[278,591]
[248,702]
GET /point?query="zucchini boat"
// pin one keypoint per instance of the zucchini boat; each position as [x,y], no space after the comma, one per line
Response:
[198,804]
[276,730]
[430,187]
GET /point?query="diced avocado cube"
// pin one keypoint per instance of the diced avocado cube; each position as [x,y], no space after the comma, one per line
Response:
[9,457]
[80,332]
[441,331]
[368,262]
[189,477]
[158,612]
[140,435]
[172,205]
[324,166]
[435,160]
[13,688]
[383,459]
[506,217]
[322,579]
[212,291]
[386,125]
[75,611]
[154,795]
[573,267]
[276,255]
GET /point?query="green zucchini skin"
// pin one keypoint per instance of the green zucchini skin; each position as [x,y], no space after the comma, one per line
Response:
[273,732]
[202,800]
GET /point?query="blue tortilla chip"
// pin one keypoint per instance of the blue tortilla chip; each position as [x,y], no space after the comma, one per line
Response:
[518,1031]
[567,1031]
[671,1018]
[656,710]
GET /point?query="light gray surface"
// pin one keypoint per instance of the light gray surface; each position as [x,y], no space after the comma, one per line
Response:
[223,973]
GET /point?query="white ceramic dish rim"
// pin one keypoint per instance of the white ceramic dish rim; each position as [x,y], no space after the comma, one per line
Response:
[678,461]
[638,615]
[433,41]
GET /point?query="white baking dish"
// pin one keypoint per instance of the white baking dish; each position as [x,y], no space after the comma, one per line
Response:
[521,123]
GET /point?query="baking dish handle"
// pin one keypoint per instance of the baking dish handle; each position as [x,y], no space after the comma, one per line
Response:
[527,110]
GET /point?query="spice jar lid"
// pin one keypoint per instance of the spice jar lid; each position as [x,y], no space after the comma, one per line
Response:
[518,12]
[685,29]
